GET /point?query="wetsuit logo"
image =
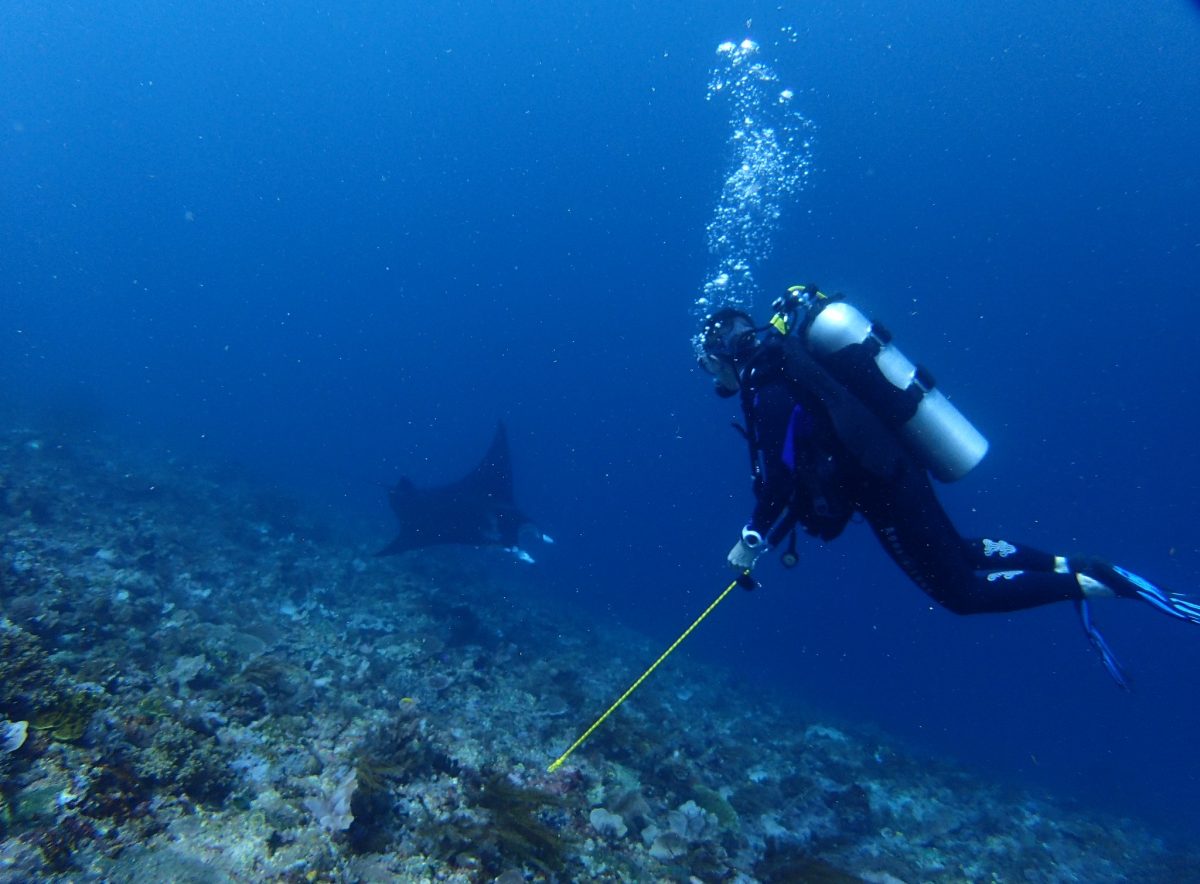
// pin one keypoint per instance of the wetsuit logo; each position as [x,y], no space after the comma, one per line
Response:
[1001,548]
[993,576]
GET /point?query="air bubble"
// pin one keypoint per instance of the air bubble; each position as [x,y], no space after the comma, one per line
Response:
[767,171]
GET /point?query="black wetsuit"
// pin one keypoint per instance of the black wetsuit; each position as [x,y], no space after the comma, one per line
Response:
[820,456]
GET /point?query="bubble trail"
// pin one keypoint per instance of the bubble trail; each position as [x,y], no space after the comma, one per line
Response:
[771,146]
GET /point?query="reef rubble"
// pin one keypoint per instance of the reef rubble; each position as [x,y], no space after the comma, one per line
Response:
[201,683]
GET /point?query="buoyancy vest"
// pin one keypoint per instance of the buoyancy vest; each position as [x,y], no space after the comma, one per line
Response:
[830,435]
[863,435]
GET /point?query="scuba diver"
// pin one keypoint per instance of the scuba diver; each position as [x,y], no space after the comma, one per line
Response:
[839,422]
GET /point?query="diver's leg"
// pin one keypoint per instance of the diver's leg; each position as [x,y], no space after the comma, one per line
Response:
[918,534]
[1095,577]
[909,521]
[986,554]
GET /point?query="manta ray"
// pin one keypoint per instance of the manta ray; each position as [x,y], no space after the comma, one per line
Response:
[477,510]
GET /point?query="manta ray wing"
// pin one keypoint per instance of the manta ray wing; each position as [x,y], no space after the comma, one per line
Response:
[477,510]
[493,476]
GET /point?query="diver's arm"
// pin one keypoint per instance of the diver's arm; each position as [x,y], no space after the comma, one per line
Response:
[773,412]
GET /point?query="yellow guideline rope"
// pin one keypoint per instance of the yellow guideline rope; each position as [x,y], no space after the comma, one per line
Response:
[633,687]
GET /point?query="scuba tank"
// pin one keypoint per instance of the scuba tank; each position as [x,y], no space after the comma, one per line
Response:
[860,355]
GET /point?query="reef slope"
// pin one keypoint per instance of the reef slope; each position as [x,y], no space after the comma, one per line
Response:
[200,683]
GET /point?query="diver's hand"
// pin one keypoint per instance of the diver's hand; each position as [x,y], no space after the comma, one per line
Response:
[747,550]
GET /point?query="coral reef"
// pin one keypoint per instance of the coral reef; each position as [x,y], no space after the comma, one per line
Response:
[199,682]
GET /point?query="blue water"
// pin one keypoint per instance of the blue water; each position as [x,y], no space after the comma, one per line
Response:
[334,244]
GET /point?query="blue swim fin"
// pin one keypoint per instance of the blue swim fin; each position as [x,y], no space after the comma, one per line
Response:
[1173,603]
[1106,655]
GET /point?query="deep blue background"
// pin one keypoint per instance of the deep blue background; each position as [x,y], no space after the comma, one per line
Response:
[335,243]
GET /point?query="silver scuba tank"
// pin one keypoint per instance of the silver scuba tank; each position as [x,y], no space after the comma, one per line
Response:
[937,432]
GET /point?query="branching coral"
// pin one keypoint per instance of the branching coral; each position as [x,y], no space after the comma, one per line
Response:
[185,759]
